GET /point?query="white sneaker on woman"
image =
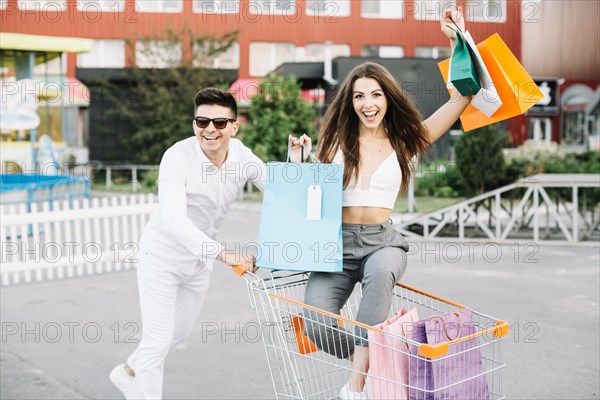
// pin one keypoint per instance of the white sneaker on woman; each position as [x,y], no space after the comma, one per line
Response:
[125,383]
[347,394]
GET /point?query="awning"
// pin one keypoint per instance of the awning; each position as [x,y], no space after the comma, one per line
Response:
[310,74]
[51,46]
[74,91]
[244,89]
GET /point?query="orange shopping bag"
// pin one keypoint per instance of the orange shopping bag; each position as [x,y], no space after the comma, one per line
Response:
[515,87]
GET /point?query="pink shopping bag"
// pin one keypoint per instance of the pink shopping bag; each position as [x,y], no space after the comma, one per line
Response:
[388,357]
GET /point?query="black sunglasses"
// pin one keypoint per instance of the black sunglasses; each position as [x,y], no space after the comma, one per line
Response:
[219,123]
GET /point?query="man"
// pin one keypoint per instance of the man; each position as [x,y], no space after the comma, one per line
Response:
[199,179]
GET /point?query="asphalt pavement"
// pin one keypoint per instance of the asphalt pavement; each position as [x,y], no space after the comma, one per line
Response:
[60,339]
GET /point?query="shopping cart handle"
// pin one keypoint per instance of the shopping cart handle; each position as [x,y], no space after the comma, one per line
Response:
[239,270]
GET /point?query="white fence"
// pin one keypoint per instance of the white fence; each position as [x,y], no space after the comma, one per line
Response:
[57,240]
[536,218]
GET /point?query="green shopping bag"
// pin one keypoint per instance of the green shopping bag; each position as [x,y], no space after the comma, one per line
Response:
[463,74]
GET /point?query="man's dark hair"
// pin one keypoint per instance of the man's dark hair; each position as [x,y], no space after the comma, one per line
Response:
[213,96]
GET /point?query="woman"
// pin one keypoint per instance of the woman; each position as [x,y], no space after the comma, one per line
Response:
[375,130]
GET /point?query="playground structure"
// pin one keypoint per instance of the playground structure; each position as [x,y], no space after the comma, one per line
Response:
[22,91]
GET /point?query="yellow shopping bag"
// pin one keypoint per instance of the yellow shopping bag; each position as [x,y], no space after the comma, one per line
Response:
[515,87]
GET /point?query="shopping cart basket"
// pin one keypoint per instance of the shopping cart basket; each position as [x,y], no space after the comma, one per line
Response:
[299,370]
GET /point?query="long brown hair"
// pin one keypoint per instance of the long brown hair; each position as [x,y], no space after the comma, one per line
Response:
[402,121]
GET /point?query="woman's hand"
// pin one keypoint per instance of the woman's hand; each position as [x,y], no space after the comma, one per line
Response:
[296,146]
[446,22]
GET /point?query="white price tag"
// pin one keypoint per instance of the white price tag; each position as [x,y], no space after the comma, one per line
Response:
[313,205]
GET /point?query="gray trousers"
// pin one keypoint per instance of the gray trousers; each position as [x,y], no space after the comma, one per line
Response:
[375,256]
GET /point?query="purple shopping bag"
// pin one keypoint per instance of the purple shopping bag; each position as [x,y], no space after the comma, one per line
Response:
[457,375]
[420,377]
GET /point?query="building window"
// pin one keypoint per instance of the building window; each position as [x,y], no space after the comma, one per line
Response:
[266,56]
[486,10]
[382,9]
[104,54]
[270,7]
[316,51]
[382,51]
[52,67]
[430,10]
[217,6]
[100,5]
[157,54]
[42,5]
[164,6]
[328,8]
[432,52]
[204,56]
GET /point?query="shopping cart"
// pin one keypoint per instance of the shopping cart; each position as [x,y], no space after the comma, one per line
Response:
[299,370]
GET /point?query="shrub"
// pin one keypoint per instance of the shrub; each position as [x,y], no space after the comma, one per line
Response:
[437,179]
[276,112]
[149,179]
[479,158]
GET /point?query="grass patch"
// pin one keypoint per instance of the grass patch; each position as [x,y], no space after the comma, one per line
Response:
[122,188]
[425,204]
[422,203]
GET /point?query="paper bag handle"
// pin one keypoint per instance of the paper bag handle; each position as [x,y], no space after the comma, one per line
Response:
[446,326]
[310,153]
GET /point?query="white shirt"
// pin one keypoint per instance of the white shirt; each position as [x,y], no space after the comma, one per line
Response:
[193,198]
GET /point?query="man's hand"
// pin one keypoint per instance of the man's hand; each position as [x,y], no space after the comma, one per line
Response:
[296,146]
[448,26]
[232,258]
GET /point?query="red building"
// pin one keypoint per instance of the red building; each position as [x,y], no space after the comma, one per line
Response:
[561,43]
[271,32]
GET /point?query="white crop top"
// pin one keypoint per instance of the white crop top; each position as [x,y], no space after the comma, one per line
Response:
[377,190]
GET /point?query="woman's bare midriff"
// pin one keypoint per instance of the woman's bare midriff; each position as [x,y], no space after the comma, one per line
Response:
[365,215]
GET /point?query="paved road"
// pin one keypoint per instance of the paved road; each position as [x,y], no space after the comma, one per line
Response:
[60,339]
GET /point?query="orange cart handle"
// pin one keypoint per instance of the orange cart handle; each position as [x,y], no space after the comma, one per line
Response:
[239,270]
[440,349]
[425,350]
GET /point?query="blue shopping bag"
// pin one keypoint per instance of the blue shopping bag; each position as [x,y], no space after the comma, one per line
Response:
[301,220]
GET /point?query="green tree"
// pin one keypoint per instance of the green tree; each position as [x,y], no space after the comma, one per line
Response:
[479,158]
[276,112]
[159,104]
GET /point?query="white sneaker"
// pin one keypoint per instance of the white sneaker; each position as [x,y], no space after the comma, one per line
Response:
[125,382]
[347,394]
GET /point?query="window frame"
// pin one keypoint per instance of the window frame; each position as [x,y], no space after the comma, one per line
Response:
[272,52]
[382,15]
[235,46]
[103,50]
[105,5]
[220,10]
[41,3]
[484,18]
[432,17]
[272,10]
[326,13]
[178,45]
[162,9]
[435,50]
[379,46]
[323,44]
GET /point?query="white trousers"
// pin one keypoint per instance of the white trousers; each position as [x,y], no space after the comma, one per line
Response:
[170,299]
